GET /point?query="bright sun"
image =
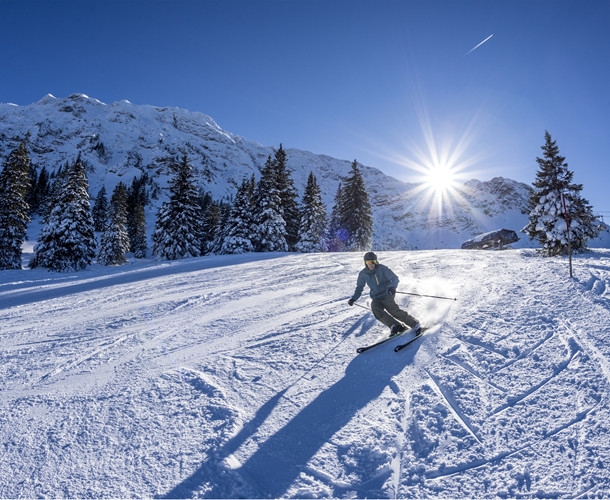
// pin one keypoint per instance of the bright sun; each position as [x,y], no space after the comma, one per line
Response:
[440,178]
[439,172]
[440,159]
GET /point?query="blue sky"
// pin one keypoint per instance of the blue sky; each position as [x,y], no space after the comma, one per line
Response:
[394,84]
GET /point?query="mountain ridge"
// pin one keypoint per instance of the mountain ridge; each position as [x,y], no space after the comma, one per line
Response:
[122,140]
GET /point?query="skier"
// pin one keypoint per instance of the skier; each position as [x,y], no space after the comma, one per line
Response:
[382,283]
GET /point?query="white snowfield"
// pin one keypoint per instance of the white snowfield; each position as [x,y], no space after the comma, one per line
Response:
[237,376]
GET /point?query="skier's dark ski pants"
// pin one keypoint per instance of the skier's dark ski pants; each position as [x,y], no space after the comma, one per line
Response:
[387,311]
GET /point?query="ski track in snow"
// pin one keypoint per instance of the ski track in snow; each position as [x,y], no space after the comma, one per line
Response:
[237,376]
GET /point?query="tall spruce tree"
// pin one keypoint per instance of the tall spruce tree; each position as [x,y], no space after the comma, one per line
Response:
[314,221]
[178,230]
[269,231]
[352,216]
[288,197]
[67,239]
[238,229]
[15,184]
[114,242]
[556,202]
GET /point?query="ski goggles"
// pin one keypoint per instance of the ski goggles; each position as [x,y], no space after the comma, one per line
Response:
[367,262]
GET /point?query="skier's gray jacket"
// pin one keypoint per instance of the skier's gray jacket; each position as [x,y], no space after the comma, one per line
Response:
[378,280]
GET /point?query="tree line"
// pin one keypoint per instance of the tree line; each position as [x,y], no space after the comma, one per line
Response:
[265,215]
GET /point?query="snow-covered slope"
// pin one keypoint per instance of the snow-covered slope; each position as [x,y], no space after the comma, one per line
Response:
[121,140]
[236,376]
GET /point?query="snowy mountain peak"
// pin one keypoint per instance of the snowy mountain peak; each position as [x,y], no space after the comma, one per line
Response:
[49,98]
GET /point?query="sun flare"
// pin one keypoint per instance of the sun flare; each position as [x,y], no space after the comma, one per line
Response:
[439,169]
[440,156]
[441,163]
[440,178]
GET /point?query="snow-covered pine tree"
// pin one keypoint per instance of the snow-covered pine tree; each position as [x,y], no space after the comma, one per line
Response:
[177,231]
[314,221]
[353,212]
[547,218]
[15,183]
[114,242]
[99,212]
[269,231]
[238,229]
[67,239]
[288,198]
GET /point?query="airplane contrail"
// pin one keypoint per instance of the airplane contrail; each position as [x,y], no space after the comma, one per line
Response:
[479,44]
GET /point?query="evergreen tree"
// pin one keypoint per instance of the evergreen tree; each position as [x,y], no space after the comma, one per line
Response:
[359,215]
[314,222]
[15,183]
[555,202]
[99,212]
[210,220]
[352,216]
[288,198]
[270,227]
[40,191]
[137,194]
[137,200]
[56,183]
[336,240]
[238,233]
[215,221]
[32,194]
[136,230]
[67,238]
[114,242]
[178,230]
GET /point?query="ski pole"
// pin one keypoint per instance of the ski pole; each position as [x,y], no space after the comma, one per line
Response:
[363,307]
[431,296]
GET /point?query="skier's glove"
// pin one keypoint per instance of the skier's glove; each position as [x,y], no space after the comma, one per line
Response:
[392,291]
[350,302]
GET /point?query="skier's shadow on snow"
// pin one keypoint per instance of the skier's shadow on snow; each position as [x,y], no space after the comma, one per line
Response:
[278,462]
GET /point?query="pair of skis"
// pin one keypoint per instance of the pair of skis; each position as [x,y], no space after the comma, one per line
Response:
[399,347]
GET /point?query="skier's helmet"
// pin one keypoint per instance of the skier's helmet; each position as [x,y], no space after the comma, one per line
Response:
[370,256]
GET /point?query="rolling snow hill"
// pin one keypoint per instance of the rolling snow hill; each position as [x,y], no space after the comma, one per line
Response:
[121,140]
[237,376]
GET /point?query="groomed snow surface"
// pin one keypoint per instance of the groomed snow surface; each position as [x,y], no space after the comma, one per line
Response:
[237,376]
